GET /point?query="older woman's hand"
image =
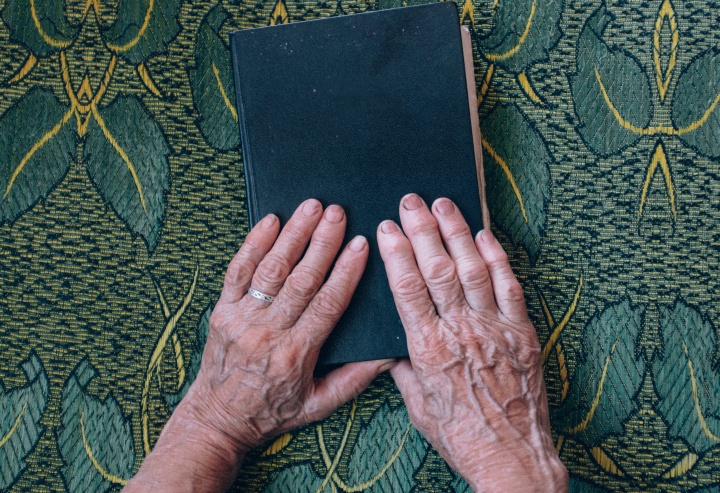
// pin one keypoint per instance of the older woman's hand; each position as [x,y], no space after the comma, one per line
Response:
[474,384]
[256,377]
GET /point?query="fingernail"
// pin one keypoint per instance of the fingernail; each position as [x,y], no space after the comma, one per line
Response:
[310,207]
[268,221]
[486,236]
[334,214]
[357,244]
[388,227]
[445,207]
[412,202]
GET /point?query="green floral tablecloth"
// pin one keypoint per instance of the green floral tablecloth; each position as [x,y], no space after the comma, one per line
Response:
[122,200]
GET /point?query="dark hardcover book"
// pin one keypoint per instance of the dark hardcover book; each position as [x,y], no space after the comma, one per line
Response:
[359,110]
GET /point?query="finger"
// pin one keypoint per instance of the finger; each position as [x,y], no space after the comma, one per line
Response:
[435,264]
[508,291]
[275,267]
[240,271]
[408,384]
[408,287]
[341,385]
[307,277]
[326,307]
[470,267]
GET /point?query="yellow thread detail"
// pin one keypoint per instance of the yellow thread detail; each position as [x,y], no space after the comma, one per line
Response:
[368,484]
[106,475]
[682,466]
[559,443]
[596,400]
[147,80]
[698,409]
[24,70]
[528,88]
[486,84]
[279,14]
[179,358]
[660,158]
[514,49]
[469,12]
[105,82]
[663,78]
[606,462]
[557,330]
[660,129]
[43,140]
[155,360]
[45,36]
[563,371]
[277,445]
[123,155]
[224,95]
[141,32]
[326,458]
[503,165]
[14,427]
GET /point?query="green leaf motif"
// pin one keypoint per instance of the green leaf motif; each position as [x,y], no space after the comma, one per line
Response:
[197,347]
[608,375]
[143,28]
[36,145]
[40,25]
[211,83]
[581,486]
[517,171]
[611,91]
[695,104]
[387,453]
[523,33]
[94,438]
[131,174]
[291,479]
[686,381]
[20,412]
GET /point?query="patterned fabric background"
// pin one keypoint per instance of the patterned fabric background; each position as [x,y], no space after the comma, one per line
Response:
[122,200]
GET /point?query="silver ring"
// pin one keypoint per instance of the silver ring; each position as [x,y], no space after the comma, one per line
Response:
[261,296]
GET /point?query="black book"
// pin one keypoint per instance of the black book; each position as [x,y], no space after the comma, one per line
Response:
[360,110]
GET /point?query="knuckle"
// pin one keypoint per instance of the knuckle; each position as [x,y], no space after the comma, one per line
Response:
[409,285]
[295,234]
[272,270]
[513,292]
[425,227]
[303,283]
[396,247]
[441,271]
[324,242]
[238,271]
[473,276]
[457,231]
[499,260]
[328,304]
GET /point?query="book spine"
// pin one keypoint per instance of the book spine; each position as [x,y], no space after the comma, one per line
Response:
[245,144]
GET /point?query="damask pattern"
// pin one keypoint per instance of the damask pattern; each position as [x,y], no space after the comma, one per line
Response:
[122,200]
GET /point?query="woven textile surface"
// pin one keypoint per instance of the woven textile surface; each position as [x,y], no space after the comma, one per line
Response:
[122,200]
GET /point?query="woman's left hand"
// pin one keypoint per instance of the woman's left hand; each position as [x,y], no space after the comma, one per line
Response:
[256,377]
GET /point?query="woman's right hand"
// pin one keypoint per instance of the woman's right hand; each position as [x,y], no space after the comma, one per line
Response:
[473,385]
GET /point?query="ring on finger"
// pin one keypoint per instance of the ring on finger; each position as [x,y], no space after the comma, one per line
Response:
[260,295]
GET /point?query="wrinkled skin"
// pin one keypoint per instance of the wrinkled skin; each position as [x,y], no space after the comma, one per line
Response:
[473,386]
[256,376]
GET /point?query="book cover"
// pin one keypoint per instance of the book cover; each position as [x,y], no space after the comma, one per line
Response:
[358,111]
